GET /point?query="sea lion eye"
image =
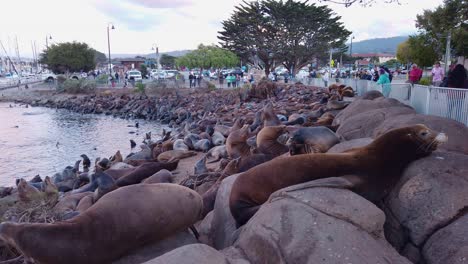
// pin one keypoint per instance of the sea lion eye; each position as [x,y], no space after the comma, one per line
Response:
[424,133]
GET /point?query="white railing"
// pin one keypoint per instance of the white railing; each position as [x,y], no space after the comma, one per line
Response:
[439,101]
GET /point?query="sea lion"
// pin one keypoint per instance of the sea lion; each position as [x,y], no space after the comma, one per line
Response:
[26,192]
[218,139]
[86,162]
[105,184]
[145,153]
[269,117]
[238,124]
[218,153]
[116,158]
[257,121]
[148,213]
[175,154]
[224,130]
[236,143]
[371,95]
[373,170]
[132,144]
[202,145]
[69,202]
[119,173]
[267,142]
[191,139]
[325,120]
[179,145]
[85,203]
[311,140]
[120,165]
[200,166]
[136,163]
[337,105]
[162,147]
[144,171]
[162,176]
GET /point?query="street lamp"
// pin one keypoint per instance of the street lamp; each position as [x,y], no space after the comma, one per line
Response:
[156,49]
[108,45]
[47,40]
[351,47]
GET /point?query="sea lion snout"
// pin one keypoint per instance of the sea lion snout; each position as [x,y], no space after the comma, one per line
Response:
[441,138]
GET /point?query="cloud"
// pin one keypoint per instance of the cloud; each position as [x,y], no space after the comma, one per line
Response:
[161,3]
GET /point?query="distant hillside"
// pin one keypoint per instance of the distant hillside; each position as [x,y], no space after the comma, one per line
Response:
[378,45]
[176,53]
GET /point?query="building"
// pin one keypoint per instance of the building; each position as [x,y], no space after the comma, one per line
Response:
[128,64]
[383,57]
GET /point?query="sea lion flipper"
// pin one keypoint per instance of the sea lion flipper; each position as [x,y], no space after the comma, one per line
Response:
[343,182]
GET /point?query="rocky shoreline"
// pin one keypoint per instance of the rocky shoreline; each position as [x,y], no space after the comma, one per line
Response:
[422,220]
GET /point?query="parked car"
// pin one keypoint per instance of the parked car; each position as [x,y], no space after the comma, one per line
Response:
[134,75]
[48,77]
[158,74]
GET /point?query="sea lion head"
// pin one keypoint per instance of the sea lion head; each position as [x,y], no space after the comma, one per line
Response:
[232,167]
[411,142]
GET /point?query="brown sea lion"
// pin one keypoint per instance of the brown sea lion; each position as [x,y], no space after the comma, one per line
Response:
[336,104]
[162,176]
[162,147]
[267,140]
[269,117]
[136,163]
[105,184]
[325,120]
[119,173]
[348,92]
[116,158]
[166,156]
[236,143]
[371,95]
[85,203]
[311,140]
[69,202]
[144,171]
[373,170]
[121,221]
[238,124]
[26,192]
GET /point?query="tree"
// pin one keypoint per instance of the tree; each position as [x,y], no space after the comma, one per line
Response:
[348,3]
[99,57]
[451,17]
[403,52]
[391,63]
[208,57]
[281,32]
[167,60]
[69,57]
[421,50]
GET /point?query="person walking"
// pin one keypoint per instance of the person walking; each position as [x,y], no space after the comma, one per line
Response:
[457,78]
[191,79]
[415,74]
[385,82]
[437,75]
[325,78]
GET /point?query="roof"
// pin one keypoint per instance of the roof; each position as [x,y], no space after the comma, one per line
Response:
[369,55]
[363,62]
[132,60]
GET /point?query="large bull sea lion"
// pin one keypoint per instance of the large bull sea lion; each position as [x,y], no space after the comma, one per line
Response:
[373,170]
[121,221]
[144,171]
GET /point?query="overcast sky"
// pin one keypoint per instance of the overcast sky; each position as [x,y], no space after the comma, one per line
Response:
[171,24]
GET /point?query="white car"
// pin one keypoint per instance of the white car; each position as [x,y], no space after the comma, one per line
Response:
[134,75]
[48,77]
[159,74]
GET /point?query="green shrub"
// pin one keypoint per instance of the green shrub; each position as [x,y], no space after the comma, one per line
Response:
[425,81]
[61,79]
[102,78]
[140,87]
[76,86]
[211,86]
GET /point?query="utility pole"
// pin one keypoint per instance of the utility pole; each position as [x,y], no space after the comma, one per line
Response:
[447,52]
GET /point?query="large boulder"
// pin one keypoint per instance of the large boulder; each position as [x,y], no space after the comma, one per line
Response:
[350,144]
[159,248]
[362,105]
[449,244]
[301,224]
[363,124]
[455,131]
[223,225]
[191,254]
[430,194]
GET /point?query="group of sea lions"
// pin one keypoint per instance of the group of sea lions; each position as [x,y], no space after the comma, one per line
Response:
[124,203]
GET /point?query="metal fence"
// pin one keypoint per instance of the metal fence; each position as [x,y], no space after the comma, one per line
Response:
[439,101]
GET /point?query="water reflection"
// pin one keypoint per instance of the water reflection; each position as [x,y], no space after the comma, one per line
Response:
[44,141]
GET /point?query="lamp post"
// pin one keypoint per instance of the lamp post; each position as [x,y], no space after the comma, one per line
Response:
[108,45]
[351,47]
[156,49]
[47,40]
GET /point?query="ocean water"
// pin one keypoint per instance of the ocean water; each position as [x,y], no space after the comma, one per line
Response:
[37,140]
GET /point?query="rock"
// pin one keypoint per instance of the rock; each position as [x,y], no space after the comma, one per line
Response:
[455,131]
[223,225]
[363,124]
[159,248]
[316,225]
[191,254]
[353,143]
[449,244]
[361,106]
[431,192]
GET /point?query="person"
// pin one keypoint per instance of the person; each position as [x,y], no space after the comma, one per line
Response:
[228,80]
[337,76]
[117,77]
[286,77]
[385,82]
[375,74]
[325,78]
[390,75]
[457,78]
[252,79]
[437,75]
[221,79]
[415,74]
[191,79]
[199,78]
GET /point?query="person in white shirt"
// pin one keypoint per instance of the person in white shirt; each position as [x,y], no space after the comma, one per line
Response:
[325,78]
[437,75]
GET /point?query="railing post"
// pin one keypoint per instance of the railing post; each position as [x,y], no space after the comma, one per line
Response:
[428,99]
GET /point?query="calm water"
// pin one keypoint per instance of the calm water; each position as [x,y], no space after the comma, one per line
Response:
[44,141]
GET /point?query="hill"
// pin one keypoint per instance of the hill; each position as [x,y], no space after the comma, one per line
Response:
[378,45]
[176,53]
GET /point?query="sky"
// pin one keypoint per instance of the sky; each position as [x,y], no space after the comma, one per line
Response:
[168,24]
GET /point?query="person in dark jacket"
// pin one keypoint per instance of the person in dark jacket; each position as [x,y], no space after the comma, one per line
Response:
[457,78]
[191,78]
